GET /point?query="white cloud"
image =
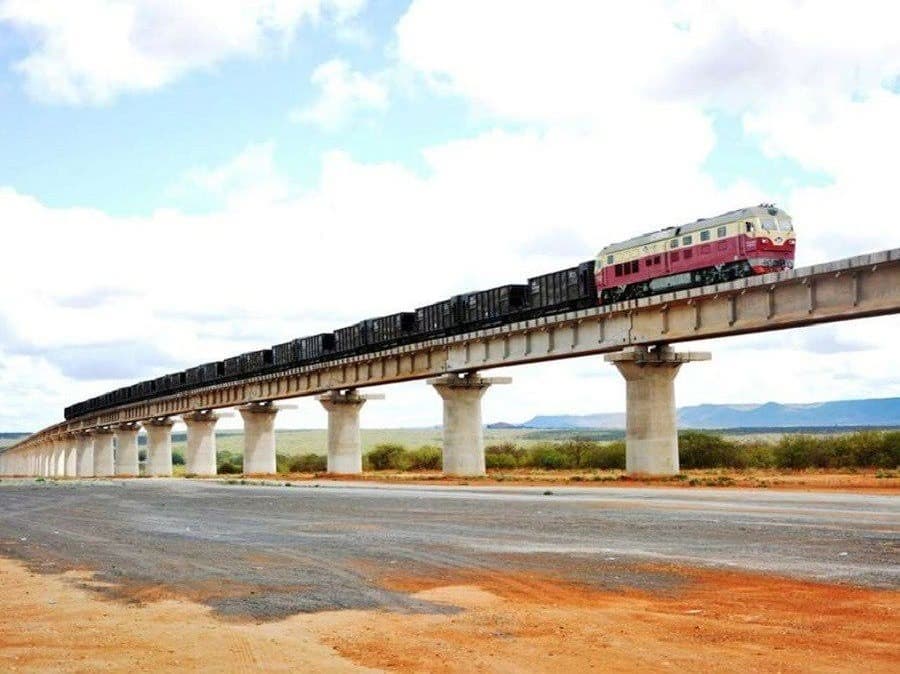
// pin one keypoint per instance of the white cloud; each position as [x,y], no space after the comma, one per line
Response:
[91,51]
[245,181]
[344,92]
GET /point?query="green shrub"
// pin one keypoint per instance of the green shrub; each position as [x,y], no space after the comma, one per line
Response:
[701,449]
[228,468]
[425,458]
[803,451]
[388,456]
[283,463]
[177,459]
[500,460]
[606,456]
[548,457]
[308,463]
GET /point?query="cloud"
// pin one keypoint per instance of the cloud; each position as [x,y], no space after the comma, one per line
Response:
[344,93]
[90,52]
[90,299]
[111,362]
[244,181]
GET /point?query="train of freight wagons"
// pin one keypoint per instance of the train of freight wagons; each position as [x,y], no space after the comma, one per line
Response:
[755,240]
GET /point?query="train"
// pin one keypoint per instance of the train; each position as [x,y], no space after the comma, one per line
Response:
[740,243]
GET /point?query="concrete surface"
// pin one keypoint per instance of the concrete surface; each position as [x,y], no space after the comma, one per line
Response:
[270,551]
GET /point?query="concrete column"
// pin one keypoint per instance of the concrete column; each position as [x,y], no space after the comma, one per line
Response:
[159,446]
[344,443]
[84,460]
[463,452]
[71,456]
[103,453]
[59,455]
[46,459]
[126,454]
[651,424]
[200,455]
[259,437]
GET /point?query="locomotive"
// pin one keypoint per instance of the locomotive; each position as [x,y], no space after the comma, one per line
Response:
[755,240]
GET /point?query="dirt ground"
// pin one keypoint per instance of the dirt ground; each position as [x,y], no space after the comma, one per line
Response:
[713,622]
[861,481]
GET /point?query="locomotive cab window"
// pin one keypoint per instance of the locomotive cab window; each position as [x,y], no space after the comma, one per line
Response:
[609,259]
[748,226]
[704,235]
[721,231]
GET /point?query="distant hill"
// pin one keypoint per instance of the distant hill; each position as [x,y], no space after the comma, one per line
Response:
[869,412]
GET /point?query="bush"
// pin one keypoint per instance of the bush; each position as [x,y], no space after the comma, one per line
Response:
[499,460]
[609,456]
[308,463]
[802,451]
[548,457]
[283,463]
[387,457]
[425,458]
[177,459]
[700,449]
[228,468]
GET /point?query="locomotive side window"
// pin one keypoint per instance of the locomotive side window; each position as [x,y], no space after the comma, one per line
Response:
[675,256]
[609,259]
[634,266]
[704,235]
[721,231]
[686,241]
[619,269]
[656,259]
[674,243]
[748,226]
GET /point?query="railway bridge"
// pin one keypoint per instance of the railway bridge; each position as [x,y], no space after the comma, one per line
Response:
[636,337]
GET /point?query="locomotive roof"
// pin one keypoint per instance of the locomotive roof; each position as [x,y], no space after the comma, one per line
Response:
[702,223]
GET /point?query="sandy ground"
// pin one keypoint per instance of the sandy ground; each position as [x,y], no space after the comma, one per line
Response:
[863,481]
[714,622]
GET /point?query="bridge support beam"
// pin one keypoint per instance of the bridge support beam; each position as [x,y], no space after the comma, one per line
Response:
[463,452]
[84,455]
[651,435]
[126,454]
[344,443]
[200,454]
[259,438]
[159,446]
[103,453]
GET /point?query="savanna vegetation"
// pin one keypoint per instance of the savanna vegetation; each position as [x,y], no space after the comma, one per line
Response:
[697,449]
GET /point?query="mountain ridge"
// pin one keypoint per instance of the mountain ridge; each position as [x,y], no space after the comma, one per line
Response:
[861,412]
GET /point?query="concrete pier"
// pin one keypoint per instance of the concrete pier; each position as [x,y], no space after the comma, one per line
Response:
[71,467]
[651,435]
[159,446]
[84,455]
[58,461]
[463,452]
[344,443]
[259,437]
[200,454]
[103,453]
[126,454]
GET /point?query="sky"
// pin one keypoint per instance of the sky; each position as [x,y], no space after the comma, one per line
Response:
[185,180]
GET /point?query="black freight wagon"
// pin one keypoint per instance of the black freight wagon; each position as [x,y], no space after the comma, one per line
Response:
[495,306]
[439,319]
[204,374]
[391,330]
[254,362]
[303,349]
[352,339]
[232,366]
[564,290]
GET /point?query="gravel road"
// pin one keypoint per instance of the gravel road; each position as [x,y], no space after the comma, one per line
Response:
[271,551]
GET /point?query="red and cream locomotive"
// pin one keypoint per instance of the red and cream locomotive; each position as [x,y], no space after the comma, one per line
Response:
[755,240]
